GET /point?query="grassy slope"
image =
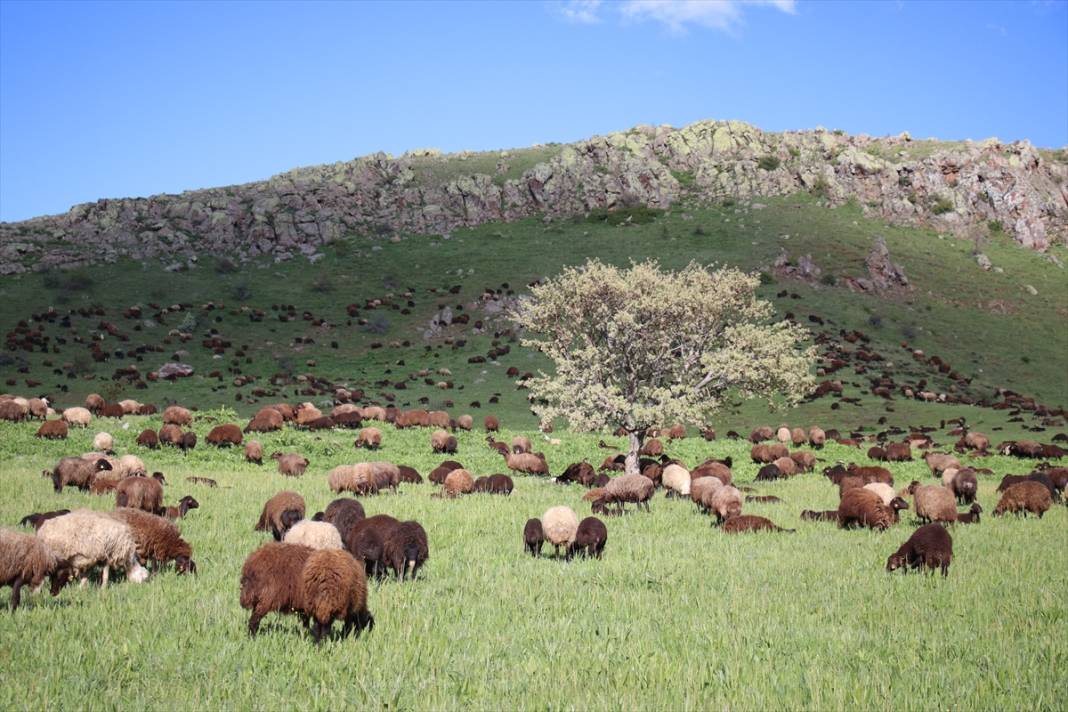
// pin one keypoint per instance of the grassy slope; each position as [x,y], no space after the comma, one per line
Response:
[676,616]
[985,324]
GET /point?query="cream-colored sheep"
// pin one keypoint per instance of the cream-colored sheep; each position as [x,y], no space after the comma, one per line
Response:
[676,480]
[103,442]
[87,539]
[317,535]
[77,417]
[560,525]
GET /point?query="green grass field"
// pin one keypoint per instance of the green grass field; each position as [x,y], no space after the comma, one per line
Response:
[676,616]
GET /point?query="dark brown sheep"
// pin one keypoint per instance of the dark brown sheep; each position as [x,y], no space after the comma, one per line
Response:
[742,523]
[930,546]
[871,474]
[271,580]
[964,486]
[971,516]
[590,538]
[861,507]
[405,549]
[27,560]
[344,513]
[158,539]
[652,448]
[439,473]
[290,464]
[279,513]
[579,472]
[144,493]
[334,587]
[1023,497]
[37,518]
[149,439]
[494,484]
[768,473]
[365,540]
[409,474]
[533,537]
[75,471]
[170,434]
[187,442]
[713,468]
[830,515]
[898,452]
[52,430]
[225,435]
[184,505]
[442,442]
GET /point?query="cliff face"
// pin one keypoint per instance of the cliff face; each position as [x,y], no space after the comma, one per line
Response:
[948,185]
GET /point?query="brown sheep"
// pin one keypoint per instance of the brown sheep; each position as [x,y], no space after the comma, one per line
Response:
[590,538]
[725,502]
[187,442]
[742,523]
[975,441]
[580,472]
[1024,497]
[405,549]
[465,422]
[37,518]
[805,461]
[184,505]
[177,415]
[871,474]
[265,421]
[254,452]
[963,484]
[521,444]
[636,489]
[306,413]
[76,471]
[52,430]
[334,587]
[861,507]
[930,546]
[652,448]
[898,452]
[933,503]
[437,419]
[290,464]
[27,560]
[458,482]
[365,540]
[442,442]
[494,484]
[491,423]
[971,516]
[271,580]
[798,437]
[94,403]
[713,468]
[225,435]
[280,513]
[533,537]
[769,472]
[148,439]
[526,463]
[370,438]
[170,434]
[145,493]
[408,474]
[438,474]
[817,437]
[766,454]
[158,539]
[787,466]
[343,513]
[761,434]
[938,462]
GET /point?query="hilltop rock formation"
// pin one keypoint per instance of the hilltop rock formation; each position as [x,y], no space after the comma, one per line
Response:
[948,185]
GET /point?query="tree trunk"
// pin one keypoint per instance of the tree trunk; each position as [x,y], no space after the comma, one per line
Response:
[636,440]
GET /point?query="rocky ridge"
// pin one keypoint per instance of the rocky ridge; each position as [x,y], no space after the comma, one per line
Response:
[950,186]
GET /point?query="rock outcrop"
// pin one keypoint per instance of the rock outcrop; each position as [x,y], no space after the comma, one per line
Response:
[948,185]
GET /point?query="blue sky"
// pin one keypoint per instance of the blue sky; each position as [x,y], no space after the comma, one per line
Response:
[114,100]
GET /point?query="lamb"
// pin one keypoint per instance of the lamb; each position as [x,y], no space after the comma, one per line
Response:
[184,505]
[76,471]
[526,463]
[629,488]
[280,513]
[316,535]
[145,493]
[676,480]
[561,525]
[366,539]
[458,482]
[864,508]
[334,587]
[590,538]
[290,464]
[148,439]
[86,539]
[962,483]
[177,415]
[370,438]
[408,474]
[1024,497]
[971,516]
[933,503]
[36,519]
[494,484]
[405,549]
[491,423]
[701,491]
[271,580]
[52,430]
[254,452]
[27,560]
[225,435]
[930,546]
[103,442]
[725,502]
[533,537]
[742,523]
[157,539]
[77,417]
[343,513]
[442,442]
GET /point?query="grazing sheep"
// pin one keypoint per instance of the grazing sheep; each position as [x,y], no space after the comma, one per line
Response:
[742,523]
[938,462]
[783,434]
[271,580]
[157,539]
[976,441]
[94,402]
[637,489]
[494,484]
[408,474]
[334,587]
[871,474]
[676,480]
[930,546]
[652,448]
[76,471]
[526,463]
[130,466]
[366,539]
[86,539]
[225,435]
[768,473]
[37,518]
[725,502]
[962,483]
[290,464]
[458,482]
[266,420]
[184,505]
[187,442]
[817,437]
[442,442]
[103,442]
[933,503]
[370,438]
[491,423]
[280,513]
[52,430]
[805,461]
[701,491]
[590,538]
[177,415]
[1040,477]
[343,513]
[144,493]
[533,537]
[27,560]
[521,444]
[713,468]
[170,434]
[787,466]
[580,472]
[886,493]
[438,474]
[405,549]
[254,452]
[1024,497]
[971,516]
[898,452]
[317,535]
[358,479]
[861,507]
[77,417]
[465,422]
[12,410]
[560,525]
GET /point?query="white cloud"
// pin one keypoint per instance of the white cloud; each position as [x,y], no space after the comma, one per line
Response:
[713,14]
[584,12]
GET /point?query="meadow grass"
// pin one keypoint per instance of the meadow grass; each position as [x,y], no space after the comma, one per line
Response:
[676,616]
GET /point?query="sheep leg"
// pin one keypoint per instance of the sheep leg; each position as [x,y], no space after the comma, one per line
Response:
[254,622]
[16,590]
[318,629]
[104,577]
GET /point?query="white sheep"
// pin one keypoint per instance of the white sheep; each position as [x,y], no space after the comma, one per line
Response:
[676,480]
[103,442]
[86,539]
[317,535]
[886,492]
[560,525]
[77,417]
